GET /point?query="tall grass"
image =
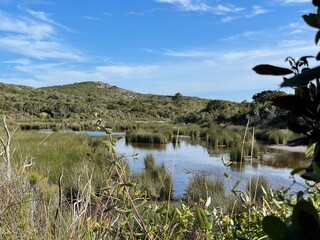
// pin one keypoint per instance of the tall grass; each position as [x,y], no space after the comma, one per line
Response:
[276,136]
[155,179]
[143,136]
[256,187]
[225,136]
[201,186]
[59,152]
[244,152]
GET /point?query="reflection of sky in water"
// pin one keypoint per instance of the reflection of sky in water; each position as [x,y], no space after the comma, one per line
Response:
[189,159]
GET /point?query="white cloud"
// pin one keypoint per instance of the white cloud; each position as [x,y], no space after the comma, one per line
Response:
[39,48]
[125,71]
[257,10]
[187,54]
[91,18]
[25,26]
[223,9]
[21,61]
[21,81]
[201,6]
[188,5]
[54,73]
[31,38]
[296,1]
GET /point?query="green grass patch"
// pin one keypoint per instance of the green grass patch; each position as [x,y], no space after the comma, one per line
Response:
[155,180]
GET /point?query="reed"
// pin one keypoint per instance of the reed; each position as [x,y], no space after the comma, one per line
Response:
[224,136]
[244,152]
[154,180]
[276,136]
[255,187]
[200,186]
[142,136]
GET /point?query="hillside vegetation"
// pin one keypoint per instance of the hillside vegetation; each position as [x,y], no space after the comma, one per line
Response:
[81,102]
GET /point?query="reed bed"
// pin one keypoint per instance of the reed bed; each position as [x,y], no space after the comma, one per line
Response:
[276,136]
[256,188]
[143,136]
[202,187]
[154,180]
[225,136]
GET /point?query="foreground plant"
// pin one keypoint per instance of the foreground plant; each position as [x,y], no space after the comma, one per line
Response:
[303,117]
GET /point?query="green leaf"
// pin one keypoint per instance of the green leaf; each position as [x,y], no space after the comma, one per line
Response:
[225,163]
[310,149]
[305,218]
[295,104]
[274,227]
[203,220]
[317,38]
[302,79]
[108,131]
[311,19]
[297,170]
[235,186]
[311,176]
[266,69]
[316,3]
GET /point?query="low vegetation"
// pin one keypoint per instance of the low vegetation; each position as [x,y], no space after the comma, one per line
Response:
[155,180]
[88,193]
[75,106]
[64,186]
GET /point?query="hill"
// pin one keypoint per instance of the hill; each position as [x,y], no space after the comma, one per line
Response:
[80,102]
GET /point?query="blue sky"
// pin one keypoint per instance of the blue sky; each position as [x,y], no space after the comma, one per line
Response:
[203,48]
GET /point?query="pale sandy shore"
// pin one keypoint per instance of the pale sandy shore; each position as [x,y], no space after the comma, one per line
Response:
[289,149]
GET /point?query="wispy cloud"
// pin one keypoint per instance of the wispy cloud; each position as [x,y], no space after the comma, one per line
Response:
[35,38]
[41,49]
[257,10]
[47,74]
[229,12]
[254,11]
[202,6]
[188,5]
[91,18]
[187,54]
[24,27]
[296,1]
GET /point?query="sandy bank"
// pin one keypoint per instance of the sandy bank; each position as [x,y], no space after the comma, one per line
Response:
[289,149]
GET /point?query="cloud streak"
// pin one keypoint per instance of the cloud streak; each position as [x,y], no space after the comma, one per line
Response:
[47,74]
[34,38]
[296,1]
[188,5]
[201,6]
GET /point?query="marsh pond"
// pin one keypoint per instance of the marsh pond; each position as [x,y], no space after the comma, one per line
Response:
[190,157]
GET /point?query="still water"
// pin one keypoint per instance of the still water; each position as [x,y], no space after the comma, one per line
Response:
[189,158]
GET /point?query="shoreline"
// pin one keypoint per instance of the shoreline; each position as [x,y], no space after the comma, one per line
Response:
[300,149]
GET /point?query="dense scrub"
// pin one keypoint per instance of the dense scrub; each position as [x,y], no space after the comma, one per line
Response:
[76,105]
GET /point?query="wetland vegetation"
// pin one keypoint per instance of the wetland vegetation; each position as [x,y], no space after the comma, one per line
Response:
[74,186]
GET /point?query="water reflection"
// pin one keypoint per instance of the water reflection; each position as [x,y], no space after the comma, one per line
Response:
[147,146]
[190,157]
